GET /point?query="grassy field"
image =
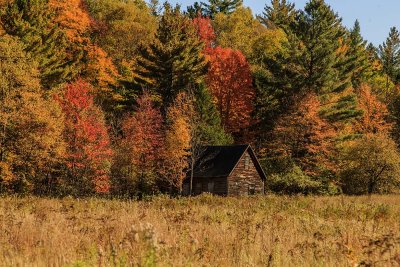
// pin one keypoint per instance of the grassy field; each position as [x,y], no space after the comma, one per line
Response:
[202,231]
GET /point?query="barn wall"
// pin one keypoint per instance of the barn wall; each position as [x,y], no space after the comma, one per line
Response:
[201,185]
[242,180]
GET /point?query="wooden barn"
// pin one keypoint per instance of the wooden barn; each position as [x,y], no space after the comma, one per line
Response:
[226,171]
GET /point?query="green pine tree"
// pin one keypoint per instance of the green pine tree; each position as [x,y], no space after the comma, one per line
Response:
[210,130]
[326,71]
[173,62]
[194,10]
[372,52]
[279,13]
[313,59]
[358,56]
[389,53]
[220,6]
[32,21]
[320,31]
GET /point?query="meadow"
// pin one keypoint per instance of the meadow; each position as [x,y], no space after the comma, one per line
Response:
[201,231]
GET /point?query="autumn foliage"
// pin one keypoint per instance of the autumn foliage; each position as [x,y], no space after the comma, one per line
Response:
[140,149]
[375,113]
[177,141]
[118,96]
[31,143]
[143,133]
[88,146]
[95,64]
[305,137]
[205,32]
[72,17]
[230,81]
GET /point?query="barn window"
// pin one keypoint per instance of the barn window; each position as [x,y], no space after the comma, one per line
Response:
[210,187]
[252,189]
[246,162]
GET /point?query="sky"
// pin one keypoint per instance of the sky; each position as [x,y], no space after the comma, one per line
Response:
[375,16]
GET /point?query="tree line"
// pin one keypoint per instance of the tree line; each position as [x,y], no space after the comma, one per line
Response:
[116,97]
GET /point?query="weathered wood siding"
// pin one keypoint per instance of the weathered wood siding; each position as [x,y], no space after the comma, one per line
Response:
[245,180]
[217,186]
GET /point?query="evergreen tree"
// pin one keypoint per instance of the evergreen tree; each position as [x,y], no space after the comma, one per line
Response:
[220,6]
[389,53]
[320,31]
[194,10]
[209,127]
[174,60]
[324,61]
[33,22]
[377,78]
[314,60]
[372,51]
[279,14]
[311,60]
[358,56]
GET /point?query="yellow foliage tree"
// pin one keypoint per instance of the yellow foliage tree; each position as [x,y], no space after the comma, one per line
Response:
[241,31]
[120,28]
[95,64]
[178,140]
[31,124]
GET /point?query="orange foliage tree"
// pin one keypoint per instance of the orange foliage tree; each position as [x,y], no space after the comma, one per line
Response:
[376,113]
[305,137]
[88,147]
[95,64]
[73,18]
[230,81]
[140,148]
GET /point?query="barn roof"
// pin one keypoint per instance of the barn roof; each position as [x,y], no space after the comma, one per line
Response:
[220,161]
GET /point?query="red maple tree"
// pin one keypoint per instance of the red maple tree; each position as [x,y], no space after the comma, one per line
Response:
[230,81]
[88,145]
[143,137]
[205,32]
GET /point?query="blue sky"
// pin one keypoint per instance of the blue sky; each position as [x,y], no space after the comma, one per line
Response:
[375,16]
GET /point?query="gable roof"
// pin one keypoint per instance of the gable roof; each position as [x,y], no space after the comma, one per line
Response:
[220,161]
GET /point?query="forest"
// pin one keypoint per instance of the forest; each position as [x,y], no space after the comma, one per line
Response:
[114,97]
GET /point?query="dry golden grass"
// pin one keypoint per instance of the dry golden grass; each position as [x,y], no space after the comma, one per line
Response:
[202,231]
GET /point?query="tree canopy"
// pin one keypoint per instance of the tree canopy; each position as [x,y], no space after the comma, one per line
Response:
[117,97]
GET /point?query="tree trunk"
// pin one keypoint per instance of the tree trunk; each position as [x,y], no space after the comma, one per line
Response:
[191,177]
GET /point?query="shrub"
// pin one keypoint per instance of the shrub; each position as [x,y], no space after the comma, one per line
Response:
[370,165]
[295,181]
